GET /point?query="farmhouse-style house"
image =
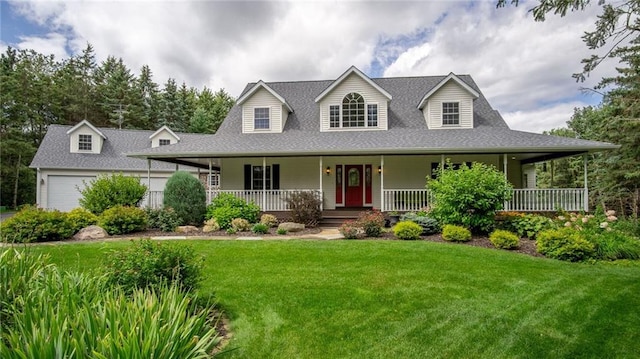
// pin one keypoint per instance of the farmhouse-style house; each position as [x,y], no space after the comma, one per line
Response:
[358,142]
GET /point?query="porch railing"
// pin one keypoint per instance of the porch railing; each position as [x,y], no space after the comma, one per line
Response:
[270,200]
[546,200]
[523,200]
[153,199]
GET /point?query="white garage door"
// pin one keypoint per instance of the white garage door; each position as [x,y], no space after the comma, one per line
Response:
[62,192]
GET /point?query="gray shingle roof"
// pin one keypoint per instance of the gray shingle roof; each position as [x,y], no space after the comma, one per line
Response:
[407,131]
[54,151]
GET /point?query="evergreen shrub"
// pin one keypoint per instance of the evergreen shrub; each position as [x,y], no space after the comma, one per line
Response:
[453,233]
[567,244]
[407,230]
[429,225]
[122,220]
[32,224]
[80,217]
[504,239]
[106,191]
[164,219]
[186,195]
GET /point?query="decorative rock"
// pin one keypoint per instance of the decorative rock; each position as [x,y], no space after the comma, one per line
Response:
[186,229]
[291,226]
[91,232]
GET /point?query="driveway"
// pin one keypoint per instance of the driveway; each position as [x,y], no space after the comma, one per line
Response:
[6,215]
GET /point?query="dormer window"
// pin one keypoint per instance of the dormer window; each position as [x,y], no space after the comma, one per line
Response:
[261,118]
[353,110]
[84,142]
[164,142]
[334,116]
[450,113]
[372,115]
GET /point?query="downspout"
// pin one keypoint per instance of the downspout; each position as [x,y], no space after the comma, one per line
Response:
[209,183]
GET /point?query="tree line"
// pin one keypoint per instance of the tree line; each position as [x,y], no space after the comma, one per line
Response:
[39,90]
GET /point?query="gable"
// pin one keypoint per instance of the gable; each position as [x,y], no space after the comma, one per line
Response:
[85,138]
[450,96]
[264,102]
[163,136]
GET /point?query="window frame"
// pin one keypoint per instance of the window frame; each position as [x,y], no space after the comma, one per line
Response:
[335,118]
[83,144]
[164,142]
[454,112]
[353,105]
[256,180]
[213,180]
[372,122]
[256,118]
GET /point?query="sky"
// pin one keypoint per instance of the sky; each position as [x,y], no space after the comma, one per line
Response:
[523,67]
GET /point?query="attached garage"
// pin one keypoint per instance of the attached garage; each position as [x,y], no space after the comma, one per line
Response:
[63,191]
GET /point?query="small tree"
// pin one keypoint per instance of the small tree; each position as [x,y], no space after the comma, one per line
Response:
[186,195]
[469,197]
[106,191]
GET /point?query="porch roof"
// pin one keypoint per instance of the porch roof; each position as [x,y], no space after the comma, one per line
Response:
[407,131]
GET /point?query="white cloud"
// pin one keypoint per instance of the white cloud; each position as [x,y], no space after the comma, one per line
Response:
[53,43]
[543,118]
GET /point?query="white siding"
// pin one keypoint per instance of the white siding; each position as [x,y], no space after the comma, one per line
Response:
[353,83]
[277,112]
[163,135]
[96,144]
[449,92]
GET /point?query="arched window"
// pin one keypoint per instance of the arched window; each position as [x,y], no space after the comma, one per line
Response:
[353,110]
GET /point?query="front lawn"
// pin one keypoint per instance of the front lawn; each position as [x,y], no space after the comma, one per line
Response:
[407,299]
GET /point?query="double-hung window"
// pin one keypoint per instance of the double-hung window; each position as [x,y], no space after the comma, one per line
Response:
[372,115]
[450,113]
[334,116]
[84,142]
[261,118]
[164,142]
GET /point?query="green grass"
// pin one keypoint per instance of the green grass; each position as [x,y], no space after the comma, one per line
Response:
[408,299]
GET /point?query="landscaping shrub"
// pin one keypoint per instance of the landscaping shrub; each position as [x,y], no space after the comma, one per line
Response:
[226,207]
[281,231]
[32,224]
[469,197]
[305,208]
[614,244]
[186,195]
[504,239]
[429,225]
[79,218]
[269,219]
[148,264]
[565,244]
[240,224]
[164,219]
[211,225]
[122,220]
[260,228]
[530,225]
[52,314]
[106,191]
[371,222]
[455,233]
[351,230]
[407,230]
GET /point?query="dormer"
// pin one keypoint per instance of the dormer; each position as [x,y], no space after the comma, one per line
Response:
[163,137]
[263,110]
[85,138]
[353,102]
[449,104]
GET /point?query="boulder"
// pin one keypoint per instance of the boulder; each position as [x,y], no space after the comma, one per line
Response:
[291,226]
[187,229]
[91,232]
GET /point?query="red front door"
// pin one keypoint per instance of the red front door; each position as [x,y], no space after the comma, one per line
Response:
[353,181]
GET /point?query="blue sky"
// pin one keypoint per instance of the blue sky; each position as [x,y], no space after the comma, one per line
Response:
[523,68]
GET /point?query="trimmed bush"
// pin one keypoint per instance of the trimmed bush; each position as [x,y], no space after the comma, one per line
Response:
[453,233]
[164,219]
[32,224]
[122,220]
[407,230]
[351,230]
[565,244]
[305,208]
[371,222]
[226,207]
[429,225]
[469,197]
[269,219]
[106,191]
[79,218]
[240,225]
[186,195]
[148,264]
[504,239]
[260,228]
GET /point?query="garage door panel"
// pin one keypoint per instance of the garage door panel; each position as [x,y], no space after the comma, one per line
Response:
[63,191]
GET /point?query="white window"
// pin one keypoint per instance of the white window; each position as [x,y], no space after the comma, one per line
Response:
[84,142]
[372,115]
[214,180]
[450,113]
[164,142]
[334,116]
[261,118]
[353,110]
[258,177]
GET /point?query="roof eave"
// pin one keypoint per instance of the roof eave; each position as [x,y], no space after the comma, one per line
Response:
[351,70]
[85,122]
[256,87]
[449,77]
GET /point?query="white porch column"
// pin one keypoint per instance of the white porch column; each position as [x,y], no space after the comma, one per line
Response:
[149,183]
[442,161]
[381,182]
[209,183]
[504,165]
[586,189]
[264,183]
[321,174]
[39,181]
